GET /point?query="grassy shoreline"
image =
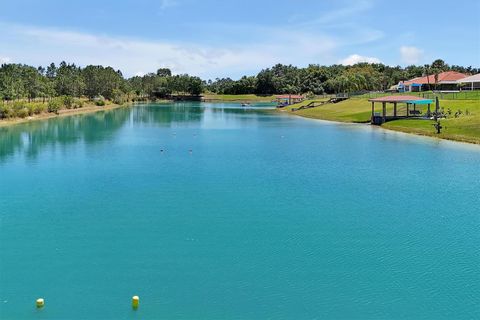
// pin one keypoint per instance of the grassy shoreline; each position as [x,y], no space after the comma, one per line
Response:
[356,110]
[465,128]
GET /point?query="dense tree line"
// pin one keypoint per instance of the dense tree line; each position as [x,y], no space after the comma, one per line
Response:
[318,79]
[19,81]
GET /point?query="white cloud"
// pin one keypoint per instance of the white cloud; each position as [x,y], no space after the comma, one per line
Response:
[316,40]
[133,55]
[299,44]
[165,4]
[344,19]
[4,60]
[411,55]
[355,58]
[350,9]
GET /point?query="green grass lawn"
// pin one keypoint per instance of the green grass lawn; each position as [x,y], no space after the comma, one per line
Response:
[464,128]
[353,110]
[238,97]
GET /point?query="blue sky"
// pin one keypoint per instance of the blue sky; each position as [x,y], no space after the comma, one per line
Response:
[213,38]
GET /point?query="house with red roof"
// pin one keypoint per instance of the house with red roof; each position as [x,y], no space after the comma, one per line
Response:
[444,81]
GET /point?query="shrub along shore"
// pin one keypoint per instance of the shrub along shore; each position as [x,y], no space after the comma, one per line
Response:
[21,112]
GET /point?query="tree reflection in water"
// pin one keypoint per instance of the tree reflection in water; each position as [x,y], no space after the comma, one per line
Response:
[92,129]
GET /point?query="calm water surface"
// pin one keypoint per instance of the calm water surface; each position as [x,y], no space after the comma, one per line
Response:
[245,214]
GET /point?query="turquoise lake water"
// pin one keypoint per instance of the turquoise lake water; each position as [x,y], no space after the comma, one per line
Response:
[245,214]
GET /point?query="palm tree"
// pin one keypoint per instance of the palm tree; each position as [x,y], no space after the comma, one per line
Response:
[427,67]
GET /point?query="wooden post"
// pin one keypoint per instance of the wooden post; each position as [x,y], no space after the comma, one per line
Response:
[394,109]
[428,112]
[408,111]
[384,105]
[373,111]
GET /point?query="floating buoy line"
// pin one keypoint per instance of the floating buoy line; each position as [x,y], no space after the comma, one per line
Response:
[40,302]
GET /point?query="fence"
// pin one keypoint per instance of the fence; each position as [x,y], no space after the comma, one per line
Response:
[460,95]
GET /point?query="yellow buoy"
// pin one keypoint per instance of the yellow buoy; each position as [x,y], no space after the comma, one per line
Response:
[40,303]
[135,302]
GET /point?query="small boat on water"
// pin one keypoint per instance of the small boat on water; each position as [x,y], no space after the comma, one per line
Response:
[246,104]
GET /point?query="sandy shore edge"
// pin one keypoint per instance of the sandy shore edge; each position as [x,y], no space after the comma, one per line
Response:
[62,113]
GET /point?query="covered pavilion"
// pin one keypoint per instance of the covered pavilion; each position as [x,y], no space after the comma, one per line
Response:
[380,118]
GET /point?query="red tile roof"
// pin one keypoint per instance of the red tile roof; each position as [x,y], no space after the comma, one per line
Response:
[442,77]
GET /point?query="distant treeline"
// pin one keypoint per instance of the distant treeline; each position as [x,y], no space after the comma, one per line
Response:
[19,81]
[318,79]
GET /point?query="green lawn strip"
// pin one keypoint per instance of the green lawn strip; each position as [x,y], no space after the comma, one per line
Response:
[352,110]
[305,102]
[463,128]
